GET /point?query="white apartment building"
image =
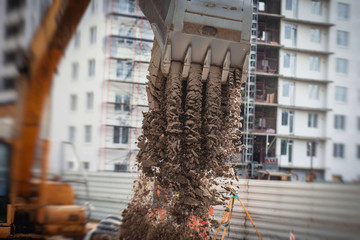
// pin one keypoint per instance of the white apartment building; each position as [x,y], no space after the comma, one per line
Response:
[19,20]
[314,67]
[306,96]
[99,92]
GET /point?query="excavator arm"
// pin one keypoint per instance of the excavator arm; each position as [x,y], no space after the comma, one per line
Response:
[37,67]
[46,50]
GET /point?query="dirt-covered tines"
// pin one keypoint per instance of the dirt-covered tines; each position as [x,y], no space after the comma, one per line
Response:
[189,133]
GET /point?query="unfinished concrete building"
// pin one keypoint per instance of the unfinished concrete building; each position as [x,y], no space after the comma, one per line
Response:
[306,88]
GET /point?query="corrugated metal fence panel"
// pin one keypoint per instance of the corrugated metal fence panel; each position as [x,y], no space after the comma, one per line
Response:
[108,192]
[309,210]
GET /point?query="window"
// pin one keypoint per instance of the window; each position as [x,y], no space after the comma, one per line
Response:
[127,103]
[314,63]
[77,39]
[122,102]
[143,48]
[343,11]
[312,120]
[288,31]
[316,7]
[118,102]
[118,167]
[13,30]
[128,69]
[311,149]
[131,6]
[116,134]
[89,100]
[9,57]
[342,38]
[70,165]
[86,165]
[93,5]
[340,94]
[124,6]
[121,135]
[125,30]
[285,91]
[73,102]
[75,70]
[14,5]
[7,83]
[341,65]
[286,60]
[283,149]
[339,122]
[288,5]
[358,151]
[315,36]
[125,135]
[339,150]
[123,69]
[92,67]
[284,118]
[88,133]
[119,68]
[71,136]
[313,91]
[92,35]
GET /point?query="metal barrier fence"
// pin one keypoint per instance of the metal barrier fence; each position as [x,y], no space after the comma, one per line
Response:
[308,210]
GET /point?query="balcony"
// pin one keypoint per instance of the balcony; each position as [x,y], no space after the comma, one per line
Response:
[269,6]
[128,71]
[265,120]
[130,48]
[122,26]
[265,124]
[268,34]
[266,64]
[266,91]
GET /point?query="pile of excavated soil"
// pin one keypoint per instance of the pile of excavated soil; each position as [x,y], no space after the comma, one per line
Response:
[190,131]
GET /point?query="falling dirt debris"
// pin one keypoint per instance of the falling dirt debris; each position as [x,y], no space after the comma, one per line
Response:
[190,131]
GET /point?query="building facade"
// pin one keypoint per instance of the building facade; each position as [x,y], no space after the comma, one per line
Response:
[99,92]
[305,95]
[19,20]
[306,92]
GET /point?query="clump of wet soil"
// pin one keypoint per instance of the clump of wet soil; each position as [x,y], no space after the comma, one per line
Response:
[190,131]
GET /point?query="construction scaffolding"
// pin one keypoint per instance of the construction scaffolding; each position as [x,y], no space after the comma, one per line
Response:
[128,44]
[249,106]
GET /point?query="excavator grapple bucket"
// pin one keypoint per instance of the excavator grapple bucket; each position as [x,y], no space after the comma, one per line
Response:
[197,68]
[201,31]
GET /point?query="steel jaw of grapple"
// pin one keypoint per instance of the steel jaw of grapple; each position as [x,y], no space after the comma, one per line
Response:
[209,32]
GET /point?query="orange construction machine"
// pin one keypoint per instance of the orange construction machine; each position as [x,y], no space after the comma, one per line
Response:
[35,207]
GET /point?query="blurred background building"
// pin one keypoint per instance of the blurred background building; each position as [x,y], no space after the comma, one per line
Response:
[99,92]
[19,20]
[303,106]
[304,98]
